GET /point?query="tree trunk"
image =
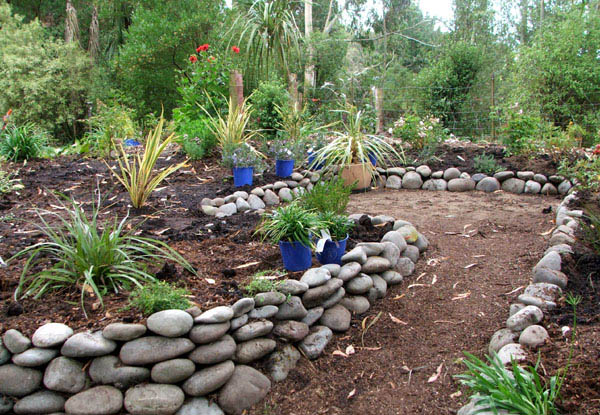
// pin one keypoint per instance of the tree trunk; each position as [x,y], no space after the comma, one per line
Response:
[309,71]
[94,43]
[523,35]
[71,24]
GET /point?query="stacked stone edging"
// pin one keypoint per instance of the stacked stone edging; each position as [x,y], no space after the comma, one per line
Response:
[170,364]
[524,331]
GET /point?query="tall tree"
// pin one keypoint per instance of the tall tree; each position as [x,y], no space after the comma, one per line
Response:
[94,42]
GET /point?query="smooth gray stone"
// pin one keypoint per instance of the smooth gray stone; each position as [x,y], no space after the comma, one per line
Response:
[291,330]
[488,185]
[254,349]
[285,194]
[292,287]
[267,311]
[564,187]
[51,335]
[536,301]
[314,344]
[549,189]
[219,314]
[393,182]
[375,265]
[397,171]
[253,330]
[437,174]
[381,219]
[64,375]
[335,298]
[477,177]
[15,341]
[411,252]
[238,322]
[532,187]
[465,175]
[515,308]
[371,296]
[18,381]
[206,202]
[34,357]
[399,223]
[409,233]
[170,323]
[500,339]
[208,379]
[510,352]
[227,209]
[315,277]
[313,315]
[435,185]
[199,406]
[230,199]
[89,344]
[43,402]
[246,387]
[242,306]
[371,248]
[356,304]
[424,171]
[528,316]
[359,285]
[270,198]
[334,269]
[292,309]
[6,405]
[513,185]
[242,205]
[379,285]
[209,210]
[559,238]
[504,175]
[218,201]
[556,179]
[172,371]
[208,333]
[240,193]
[533,336]
[540,178]
[193,311]
[390,252]
[392,277]
[336,318]
[316,296]
[404,267]
[109,370]
[153,349]
[255,202]
[258,192]
[551,260]
[560,248]
[355,255]
[412,180]
[545,291]
[123,331]
[525,175]
[100,400]
[4,355]
[349,271]
[473,408]
[451,173]
[397,238]
[215,352]
[269,298]
[461,185]
[153,399]
[279,185]
[281,362]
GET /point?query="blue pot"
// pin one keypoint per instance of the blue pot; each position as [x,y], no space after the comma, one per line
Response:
[295,255]
[311,159]
[284,168]
[373,159]
[332,252]
[242,176]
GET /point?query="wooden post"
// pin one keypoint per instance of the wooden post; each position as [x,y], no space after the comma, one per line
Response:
[236,88]
[493,107]
[378,98]
[293,89]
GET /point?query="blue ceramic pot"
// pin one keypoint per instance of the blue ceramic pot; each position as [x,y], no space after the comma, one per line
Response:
[295,255]
[284,168]
[333,251]
[242,176]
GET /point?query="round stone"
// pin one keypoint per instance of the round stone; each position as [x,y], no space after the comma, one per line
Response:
[391,252]
[315,277]
[510,352]
[356,303]
[292,287]
[64,375]
[152,399]
[392,277]
[488,185]
[349,271]
[88,344]
[314,344]
[100,400]
[513,185]
[267,311]
[51,335]
[34,357]
[528,316]
[170,323]
[461,185]
[500,339]
[359,285]
[549,189]
[199,406]
[107,370]
[424,171]
[375,265]
[398,237]
[337,318]
[15,341]
[242,306]
[532,187]
[269,298]
[246,387]
[208,333]
[253,330]
[435,185]
[153,349]
[19,381]
[409,233]
[393,182]
[123,331]
[422,243]
[219,314]
[292,309]
[335,298]
[291,330]
[215,352]
[313,315]
[254,349]
[172,371]
[281,362]
[540,178]
[533,336]
[451,173]
[404,267]
[43,402]
[412,180]
[411,252]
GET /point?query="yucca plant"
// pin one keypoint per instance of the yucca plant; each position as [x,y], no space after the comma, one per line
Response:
[23,142]
[290,223]
[519,391]
[137,172]
[80,253]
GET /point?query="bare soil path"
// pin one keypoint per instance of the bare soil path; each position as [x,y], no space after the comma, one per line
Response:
[483,247]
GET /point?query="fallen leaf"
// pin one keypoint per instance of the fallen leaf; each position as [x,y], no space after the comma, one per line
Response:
[462,296]
[434,280]
[437,374]
[456,394]
[470,266]
[350,350]
[339,353]
[210,280]
[417,285]
[397,320]
[351,394]
[249,264]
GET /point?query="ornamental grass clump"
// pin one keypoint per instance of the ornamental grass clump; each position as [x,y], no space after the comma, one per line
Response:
[157,296]
[80,252]
[23,142]
[335,226]
[327,196]
[290,223]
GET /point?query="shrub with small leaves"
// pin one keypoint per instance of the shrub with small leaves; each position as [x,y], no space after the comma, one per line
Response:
[158,296]
[263,281]
[486,163]
[327,196]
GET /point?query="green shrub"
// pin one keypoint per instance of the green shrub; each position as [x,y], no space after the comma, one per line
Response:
[263,281]
[585,171]
[338,226]
[89,256]
[194,136]
[327,196]
[8,183]
[290,223]
[591,231]
[521,131]
[265,100]
[158,296]
[420,133]
[486,163]
[111,122]
[23,142]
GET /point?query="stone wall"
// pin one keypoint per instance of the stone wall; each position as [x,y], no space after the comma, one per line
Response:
[170,364]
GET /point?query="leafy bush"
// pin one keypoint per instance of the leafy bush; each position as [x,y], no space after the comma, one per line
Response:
[263,281]
[591,231]
[80,253]
[243,156]
[486,163]
[23,142]
[112,121]
[521,131]
[585,171]
[137,175]
[195,137]
[289,149]
[43,79]
[157,296]
[290,223]
[8,183]
[327,196]
[269,96]
[337,226]
[521,391]
[420,133]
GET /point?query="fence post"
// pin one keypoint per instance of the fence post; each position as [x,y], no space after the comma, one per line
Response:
[378,98]
[493,107]
[236,88]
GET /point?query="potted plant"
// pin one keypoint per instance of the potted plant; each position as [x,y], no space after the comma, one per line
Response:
[285,153]
[243,160]
[334,235]
[292,227]
[353,149]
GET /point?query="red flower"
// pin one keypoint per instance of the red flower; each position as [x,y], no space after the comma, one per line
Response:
[315,100]
[235,49]
[597,150]
[202,48]
[211,59]
[193,58]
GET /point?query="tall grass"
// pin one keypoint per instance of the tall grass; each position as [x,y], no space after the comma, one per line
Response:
[23,142]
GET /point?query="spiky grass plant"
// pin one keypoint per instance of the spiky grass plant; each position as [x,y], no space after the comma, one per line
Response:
[290,223]
[8,183]
[137,172]
[80,253]
[337,226]
[327,196]
[22,142]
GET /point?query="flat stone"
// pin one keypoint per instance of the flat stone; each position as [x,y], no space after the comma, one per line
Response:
[199,406]
[380,220]
[513,185]
[292,309]
[546,291]
[355,303]
[504,175]
[19,381]
[219,314]
[536,301]
[246,387]
[396,171]
[267,311]
[240,321]
[397,237]
[315,277]
[561,249]
[488,185]
[227,209]
[549,189]
[209,379]
[559,238]
[34,357]
[89,344]
[337,318]
[254,349]
[43,402]
[355,255]
[524,318]
[64,375]
[154,349]
[461,185]
[316,296]
[314,344]
[253,330]
[540,178]
[109,370]
[525,175]
[281,362]
[437,174]
[269,298]
[313,315]
[292,287]
[392,277]
[371,248]
[279,185]
[15,341]
[291,330]
[477,177]
[152,399]
[334,269]
[100,400]
[359,285]
[242,306]
[172,371]
[349,271]
[412,180]
[404,267]
[435,185]
[451,173]
[230,199]
[215,352]
[123,331]
[335,298]
[533,336]
[500,339]
[375,265]
[556,179]
[51,335]
[240,194]
[208,333]
[209,210]
[510,352]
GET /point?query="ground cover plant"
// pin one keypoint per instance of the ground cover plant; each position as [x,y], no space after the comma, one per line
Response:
[156,296]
